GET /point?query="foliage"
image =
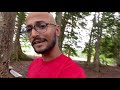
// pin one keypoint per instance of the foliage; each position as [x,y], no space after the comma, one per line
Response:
[71,24]
[107,47]
[110,40]
[107,61]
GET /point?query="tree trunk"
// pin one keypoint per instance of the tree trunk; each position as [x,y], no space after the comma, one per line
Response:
[97,45]
[117,50]
[7,26]
[63,26]
[59,18]
[89,51]
[17,53]
[59,22]
[96,56]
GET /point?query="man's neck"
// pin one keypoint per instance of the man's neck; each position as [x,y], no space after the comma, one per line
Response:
[55,52]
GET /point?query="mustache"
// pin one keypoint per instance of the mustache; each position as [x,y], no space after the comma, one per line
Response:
[35,40]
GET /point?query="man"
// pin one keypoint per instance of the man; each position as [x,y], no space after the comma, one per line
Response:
[43,33]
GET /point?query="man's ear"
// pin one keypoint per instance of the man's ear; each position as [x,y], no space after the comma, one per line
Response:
[58,30]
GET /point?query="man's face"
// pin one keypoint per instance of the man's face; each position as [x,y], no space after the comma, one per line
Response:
[42,42]
[43,45]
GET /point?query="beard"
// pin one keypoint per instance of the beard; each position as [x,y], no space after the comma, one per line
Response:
[48,48]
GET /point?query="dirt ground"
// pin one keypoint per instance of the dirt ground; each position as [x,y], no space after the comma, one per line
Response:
[105,71]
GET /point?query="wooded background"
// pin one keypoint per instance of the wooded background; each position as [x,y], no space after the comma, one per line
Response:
[102,48]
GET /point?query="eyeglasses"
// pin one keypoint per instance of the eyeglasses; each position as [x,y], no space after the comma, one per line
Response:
[40,27]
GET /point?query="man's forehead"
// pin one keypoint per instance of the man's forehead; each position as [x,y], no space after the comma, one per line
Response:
[38,14]
[42,15]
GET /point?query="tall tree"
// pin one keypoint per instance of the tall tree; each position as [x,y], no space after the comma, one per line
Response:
[17,51]
[63,26]
[68,37]
[90,43]
[7,26]
[58,19]
[112,27]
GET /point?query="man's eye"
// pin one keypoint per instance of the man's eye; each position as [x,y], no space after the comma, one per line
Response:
[41,26]
[29,29]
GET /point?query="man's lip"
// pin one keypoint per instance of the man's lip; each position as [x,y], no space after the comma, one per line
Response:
[37,42]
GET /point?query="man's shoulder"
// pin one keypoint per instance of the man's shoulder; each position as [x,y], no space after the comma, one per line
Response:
[69,59]
[37,60]
[72,69]
[66,57]
[70,63]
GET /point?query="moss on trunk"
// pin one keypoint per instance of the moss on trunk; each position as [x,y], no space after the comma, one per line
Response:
[20,56]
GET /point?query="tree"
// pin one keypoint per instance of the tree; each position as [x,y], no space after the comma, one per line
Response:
[17,53]
[89,45]
[7,26]
[68,37]
[111,40]
[58,19]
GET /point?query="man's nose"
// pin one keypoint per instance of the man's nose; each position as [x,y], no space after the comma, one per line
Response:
[34,33]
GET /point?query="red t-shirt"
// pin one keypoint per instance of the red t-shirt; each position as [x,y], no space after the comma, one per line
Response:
[60,67]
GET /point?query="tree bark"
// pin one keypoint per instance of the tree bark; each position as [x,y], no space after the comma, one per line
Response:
[89,50]
[7,26]
[97,44]
[17,53]
[59,22]
[63,26]
[58,18]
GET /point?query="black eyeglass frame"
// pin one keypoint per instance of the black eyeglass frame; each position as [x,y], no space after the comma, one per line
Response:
[37,28]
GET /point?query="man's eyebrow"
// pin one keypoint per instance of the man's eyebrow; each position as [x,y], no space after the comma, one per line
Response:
[35,23]
[40,21]
[28,25]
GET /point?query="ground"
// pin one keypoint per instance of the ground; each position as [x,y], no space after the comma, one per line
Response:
[105,71]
